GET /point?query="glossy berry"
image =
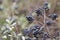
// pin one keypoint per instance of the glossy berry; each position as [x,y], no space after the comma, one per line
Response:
[35,30]
[39,12]
[53,16]
[26,32]
[46,35]
[46,6]
[30,18]
[35,27]
[48,23]
[46,3]
[28,39]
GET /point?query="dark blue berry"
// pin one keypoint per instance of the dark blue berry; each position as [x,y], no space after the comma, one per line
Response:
[28,39]
[46,3]
[37,26]
[46,6]
[35,30]
[26,32]
[48,23]
[46,35]
[53,16]
[39,12]
[30,18]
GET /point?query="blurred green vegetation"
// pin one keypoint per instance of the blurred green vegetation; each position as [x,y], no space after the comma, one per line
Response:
[2,21]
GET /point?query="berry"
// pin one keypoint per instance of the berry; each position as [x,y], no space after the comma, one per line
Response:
[35,27]
[48,23]
[46,6]
[46,35]
[35,30]
[53,16]
[28,39]
[39,12]
[46,3]
[26,32]
[30,18]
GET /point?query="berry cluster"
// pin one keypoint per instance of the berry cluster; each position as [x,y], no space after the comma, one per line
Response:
[36,29]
